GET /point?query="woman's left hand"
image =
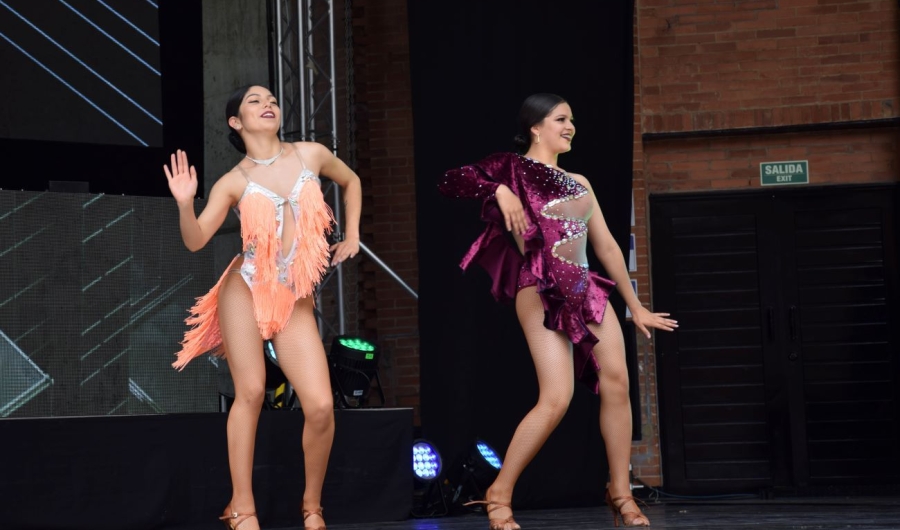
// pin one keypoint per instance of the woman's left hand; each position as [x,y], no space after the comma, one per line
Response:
[344,250]
[644,319]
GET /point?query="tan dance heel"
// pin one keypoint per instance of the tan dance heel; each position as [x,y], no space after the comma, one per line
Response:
[628,518]
[496,524]
[233,520]
[307,514]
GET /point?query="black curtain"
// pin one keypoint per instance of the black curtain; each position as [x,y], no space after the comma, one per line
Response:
[472,64]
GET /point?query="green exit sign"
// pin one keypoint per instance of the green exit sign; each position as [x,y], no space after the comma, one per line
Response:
[788,172]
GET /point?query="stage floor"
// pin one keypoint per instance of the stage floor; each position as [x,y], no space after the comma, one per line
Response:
[868,513]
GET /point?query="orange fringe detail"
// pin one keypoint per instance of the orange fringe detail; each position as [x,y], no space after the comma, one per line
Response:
[272,300]
[311,256]
[204,334]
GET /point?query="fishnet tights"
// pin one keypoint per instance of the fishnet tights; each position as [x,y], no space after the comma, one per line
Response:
[615,405]
[552,355]
[301,356]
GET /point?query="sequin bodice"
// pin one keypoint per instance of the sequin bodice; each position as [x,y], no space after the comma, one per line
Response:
[278,207]
[565,207]
[277,200]
[551,255]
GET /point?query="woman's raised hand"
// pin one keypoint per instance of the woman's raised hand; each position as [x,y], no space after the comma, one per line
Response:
[182,178]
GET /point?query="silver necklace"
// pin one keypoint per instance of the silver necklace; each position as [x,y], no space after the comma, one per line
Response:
[267,161]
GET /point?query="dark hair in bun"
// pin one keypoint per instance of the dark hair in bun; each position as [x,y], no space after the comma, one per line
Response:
[534,109]
[231,109]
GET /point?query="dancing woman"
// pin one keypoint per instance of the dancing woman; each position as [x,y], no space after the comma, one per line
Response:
[562,306]
[267,292]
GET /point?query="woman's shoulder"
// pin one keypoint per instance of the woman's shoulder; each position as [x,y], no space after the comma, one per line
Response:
[581,179]
[232,180]
[230,184]
[236,173]
[311,150]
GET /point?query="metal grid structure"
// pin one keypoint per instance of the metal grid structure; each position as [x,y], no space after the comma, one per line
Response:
[305,83]
[303,59]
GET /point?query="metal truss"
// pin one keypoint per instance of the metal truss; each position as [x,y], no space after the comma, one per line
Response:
[303,59]
[305,84]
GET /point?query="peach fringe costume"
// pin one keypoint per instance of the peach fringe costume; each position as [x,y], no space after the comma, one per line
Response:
[275,280]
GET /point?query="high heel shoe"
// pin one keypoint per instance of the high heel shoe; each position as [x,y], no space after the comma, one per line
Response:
[496,524]
[309,513]
[231,519]
[628,518]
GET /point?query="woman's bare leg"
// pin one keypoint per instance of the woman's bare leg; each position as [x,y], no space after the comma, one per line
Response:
[552,355]
[243,346]
[301,356]
[615,406]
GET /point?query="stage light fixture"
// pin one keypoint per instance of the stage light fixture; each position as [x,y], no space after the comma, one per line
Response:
[429,496]
[354,366]
[274,376]
[488,454]
[279,395]
[483,465]
[269,350]
[479,468]
[427,464]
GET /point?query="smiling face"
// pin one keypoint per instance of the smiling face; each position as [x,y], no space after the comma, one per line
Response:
[259,111]
[556,130]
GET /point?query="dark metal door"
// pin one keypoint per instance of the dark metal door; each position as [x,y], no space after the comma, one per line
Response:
[783,372]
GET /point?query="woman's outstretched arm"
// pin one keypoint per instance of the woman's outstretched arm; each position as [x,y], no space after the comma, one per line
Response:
[610,256]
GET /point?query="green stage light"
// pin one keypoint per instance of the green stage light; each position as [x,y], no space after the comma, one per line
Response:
[354,365]
[355,343]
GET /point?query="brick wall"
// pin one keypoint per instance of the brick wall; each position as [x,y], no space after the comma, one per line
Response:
[384,142]
[702,66]
[838,157]
[645,454]
[720,65]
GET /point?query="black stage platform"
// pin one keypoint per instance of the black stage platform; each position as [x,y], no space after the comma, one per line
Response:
[169,472]
[859,513]
[162,471]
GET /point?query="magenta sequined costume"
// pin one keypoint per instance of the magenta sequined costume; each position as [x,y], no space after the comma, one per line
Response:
[555,260]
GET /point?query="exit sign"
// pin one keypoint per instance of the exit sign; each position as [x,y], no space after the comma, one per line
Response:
[788,172]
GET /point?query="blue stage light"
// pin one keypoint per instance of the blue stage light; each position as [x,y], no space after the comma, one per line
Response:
[489,455]
[479,466]
[426,462]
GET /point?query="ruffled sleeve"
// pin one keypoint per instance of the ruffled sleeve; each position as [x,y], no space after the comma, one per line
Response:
[479,180]
[494,251]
